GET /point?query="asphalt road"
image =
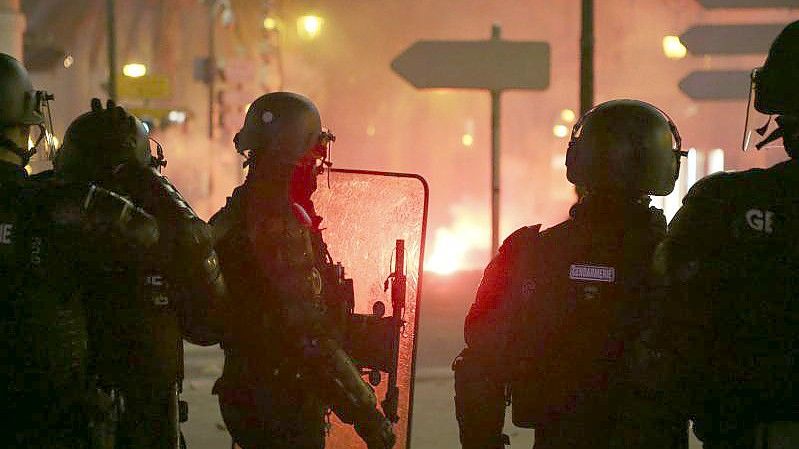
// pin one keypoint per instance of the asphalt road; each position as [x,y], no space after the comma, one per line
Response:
[444,305]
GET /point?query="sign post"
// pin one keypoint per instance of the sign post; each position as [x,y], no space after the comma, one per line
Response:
[494,65]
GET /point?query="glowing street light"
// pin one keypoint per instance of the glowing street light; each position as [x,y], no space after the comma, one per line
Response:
[673,48]
[309,27]
[567,115]
[270,24]
[467,140]
[68,61]
[560,131]
[134,70]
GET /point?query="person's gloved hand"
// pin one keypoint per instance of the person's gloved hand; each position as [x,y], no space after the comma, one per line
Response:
[376,431]
[118,126]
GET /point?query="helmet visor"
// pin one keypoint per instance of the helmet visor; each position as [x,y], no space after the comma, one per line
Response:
[758,127]
[42,138]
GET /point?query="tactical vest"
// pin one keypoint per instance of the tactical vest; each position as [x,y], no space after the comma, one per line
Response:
[255,348]
[133,315]
[574,290]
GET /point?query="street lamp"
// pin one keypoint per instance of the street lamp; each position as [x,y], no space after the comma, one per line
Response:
[673,48]
[567,115]
[134,70]
[309,26]
[270,24]
[560,131]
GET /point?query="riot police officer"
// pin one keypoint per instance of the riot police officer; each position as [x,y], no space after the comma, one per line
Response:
[283,367]
[728,320]
[142,304]
[49,231]
[554,309]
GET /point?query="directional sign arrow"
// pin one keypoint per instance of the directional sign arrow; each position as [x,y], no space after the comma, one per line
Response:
[490,64]
[717,85]
[730,39]
[711,4]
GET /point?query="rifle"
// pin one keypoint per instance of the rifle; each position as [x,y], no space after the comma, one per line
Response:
[371,340]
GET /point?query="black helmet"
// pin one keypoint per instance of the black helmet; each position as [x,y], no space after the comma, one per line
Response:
[99,141]
[282,126]
[624,146]
[777,82]
[20,104]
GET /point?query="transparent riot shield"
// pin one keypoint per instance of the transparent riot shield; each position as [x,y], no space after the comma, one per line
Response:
[374,226]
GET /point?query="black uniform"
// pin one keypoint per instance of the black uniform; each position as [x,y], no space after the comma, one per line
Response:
[266,256]
[50,234]
[550,325]
[283,367]
[730,321]
[143,306]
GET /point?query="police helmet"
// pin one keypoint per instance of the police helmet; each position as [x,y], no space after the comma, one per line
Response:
[625,146]
[20,104]
[777,82]
[99,141]
[280,126]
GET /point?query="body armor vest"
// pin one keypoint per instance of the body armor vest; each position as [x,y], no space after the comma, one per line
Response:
[574,288]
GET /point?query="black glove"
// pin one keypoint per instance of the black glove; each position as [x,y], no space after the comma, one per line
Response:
[376,431]
[119,126]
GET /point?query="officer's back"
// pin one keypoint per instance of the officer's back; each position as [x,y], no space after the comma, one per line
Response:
[556,308]
[729,321]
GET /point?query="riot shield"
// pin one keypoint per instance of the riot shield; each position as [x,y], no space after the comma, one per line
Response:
[374,226]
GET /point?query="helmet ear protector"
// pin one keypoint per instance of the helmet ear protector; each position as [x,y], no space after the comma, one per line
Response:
[578,127]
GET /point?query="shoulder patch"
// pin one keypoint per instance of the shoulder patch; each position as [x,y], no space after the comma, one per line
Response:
[595,273]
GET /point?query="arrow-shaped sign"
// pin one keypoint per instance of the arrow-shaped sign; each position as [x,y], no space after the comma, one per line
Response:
[494,65]
[730,39]
[711,4]
[490,64]
[717,85]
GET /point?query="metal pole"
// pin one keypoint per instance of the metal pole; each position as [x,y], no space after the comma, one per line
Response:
[587,57]
[112,49]
[495,130]
[211,65]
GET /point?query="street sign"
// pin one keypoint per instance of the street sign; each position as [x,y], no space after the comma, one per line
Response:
[494,65]
[711,4]
[201,70]
[145,87]
[489,64]
[152,113]
[717,85]
[730,39]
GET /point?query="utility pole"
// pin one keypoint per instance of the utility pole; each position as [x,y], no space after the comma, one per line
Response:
[110,12]
[12,25]
[211,64]
[496,32]
[587,57]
